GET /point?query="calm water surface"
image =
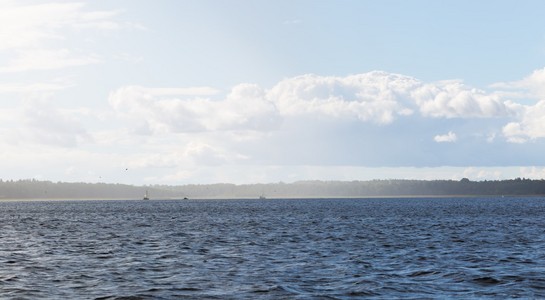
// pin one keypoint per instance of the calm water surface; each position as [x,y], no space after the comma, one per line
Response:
[273,249]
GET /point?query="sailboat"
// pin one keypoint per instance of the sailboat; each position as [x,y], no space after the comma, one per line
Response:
[146,197]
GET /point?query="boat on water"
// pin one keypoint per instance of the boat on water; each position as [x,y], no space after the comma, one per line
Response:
[146,197]
[262,197]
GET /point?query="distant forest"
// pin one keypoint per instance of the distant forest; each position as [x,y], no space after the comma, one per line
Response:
[35,189]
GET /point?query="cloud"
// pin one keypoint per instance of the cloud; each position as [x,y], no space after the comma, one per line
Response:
[482,173]
[29,26]
[292,22]
[378,97]
[47,60]
[452,99]
[446,138]
[64,163]
[535,82]
[530,126]
[193,153]
[30,33]
[167,110]
[374,97]
[529,121]
[41,87]
[532,172]
[367,119]
[38,121]
[531,86]
[315,120]
[381,97]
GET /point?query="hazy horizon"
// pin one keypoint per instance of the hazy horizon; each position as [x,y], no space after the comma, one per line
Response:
[183,92]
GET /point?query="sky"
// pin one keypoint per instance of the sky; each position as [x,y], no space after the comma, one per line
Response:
[182,92]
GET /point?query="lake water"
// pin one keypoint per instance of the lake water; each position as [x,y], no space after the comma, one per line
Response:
[273,249]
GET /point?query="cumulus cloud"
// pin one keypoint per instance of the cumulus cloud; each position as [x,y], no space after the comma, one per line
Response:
[452,99]
[531,86]
[381,97]
[530,126]
[446,138]
[377,97]
[166,110]
[529,121]
[181,129]
[535,82]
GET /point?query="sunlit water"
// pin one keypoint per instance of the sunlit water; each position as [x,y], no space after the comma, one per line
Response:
[273,249]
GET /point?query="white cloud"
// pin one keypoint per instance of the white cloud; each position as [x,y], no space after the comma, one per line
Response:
[38,121]
[530,126]
[163,110]
[532,86]
[41,87]
[476,173]
[47,60]
[532,172]
[157,92]
[529,123]
[381,97]
[29,34]
[452,99]
[64,163]
[292,22]
[446,138]
[491,137]
[49,125]
[170,133]
[535,82]
[29,26]
[192,154]
[376,96]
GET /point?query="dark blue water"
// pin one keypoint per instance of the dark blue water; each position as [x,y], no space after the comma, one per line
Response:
[273,249]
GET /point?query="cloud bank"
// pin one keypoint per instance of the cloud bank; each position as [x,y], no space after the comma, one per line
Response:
[375,119]
[377,98]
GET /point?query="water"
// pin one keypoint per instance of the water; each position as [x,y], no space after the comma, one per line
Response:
[273,249]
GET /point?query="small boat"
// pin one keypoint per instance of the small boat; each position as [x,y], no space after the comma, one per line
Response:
[146,197]
[262,197]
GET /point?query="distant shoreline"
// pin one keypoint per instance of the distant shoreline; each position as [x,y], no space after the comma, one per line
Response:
[269,199]
[395,188]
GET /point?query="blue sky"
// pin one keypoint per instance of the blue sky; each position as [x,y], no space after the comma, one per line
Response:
[176,92]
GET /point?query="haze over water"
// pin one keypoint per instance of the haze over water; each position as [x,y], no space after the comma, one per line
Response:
[273,249]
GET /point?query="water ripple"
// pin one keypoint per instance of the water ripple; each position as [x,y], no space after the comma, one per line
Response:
[274,249]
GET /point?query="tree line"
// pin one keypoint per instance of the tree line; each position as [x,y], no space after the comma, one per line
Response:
[35,189]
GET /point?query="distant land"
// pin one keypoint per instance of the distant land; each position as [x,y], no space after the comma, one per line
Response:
[35,189]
